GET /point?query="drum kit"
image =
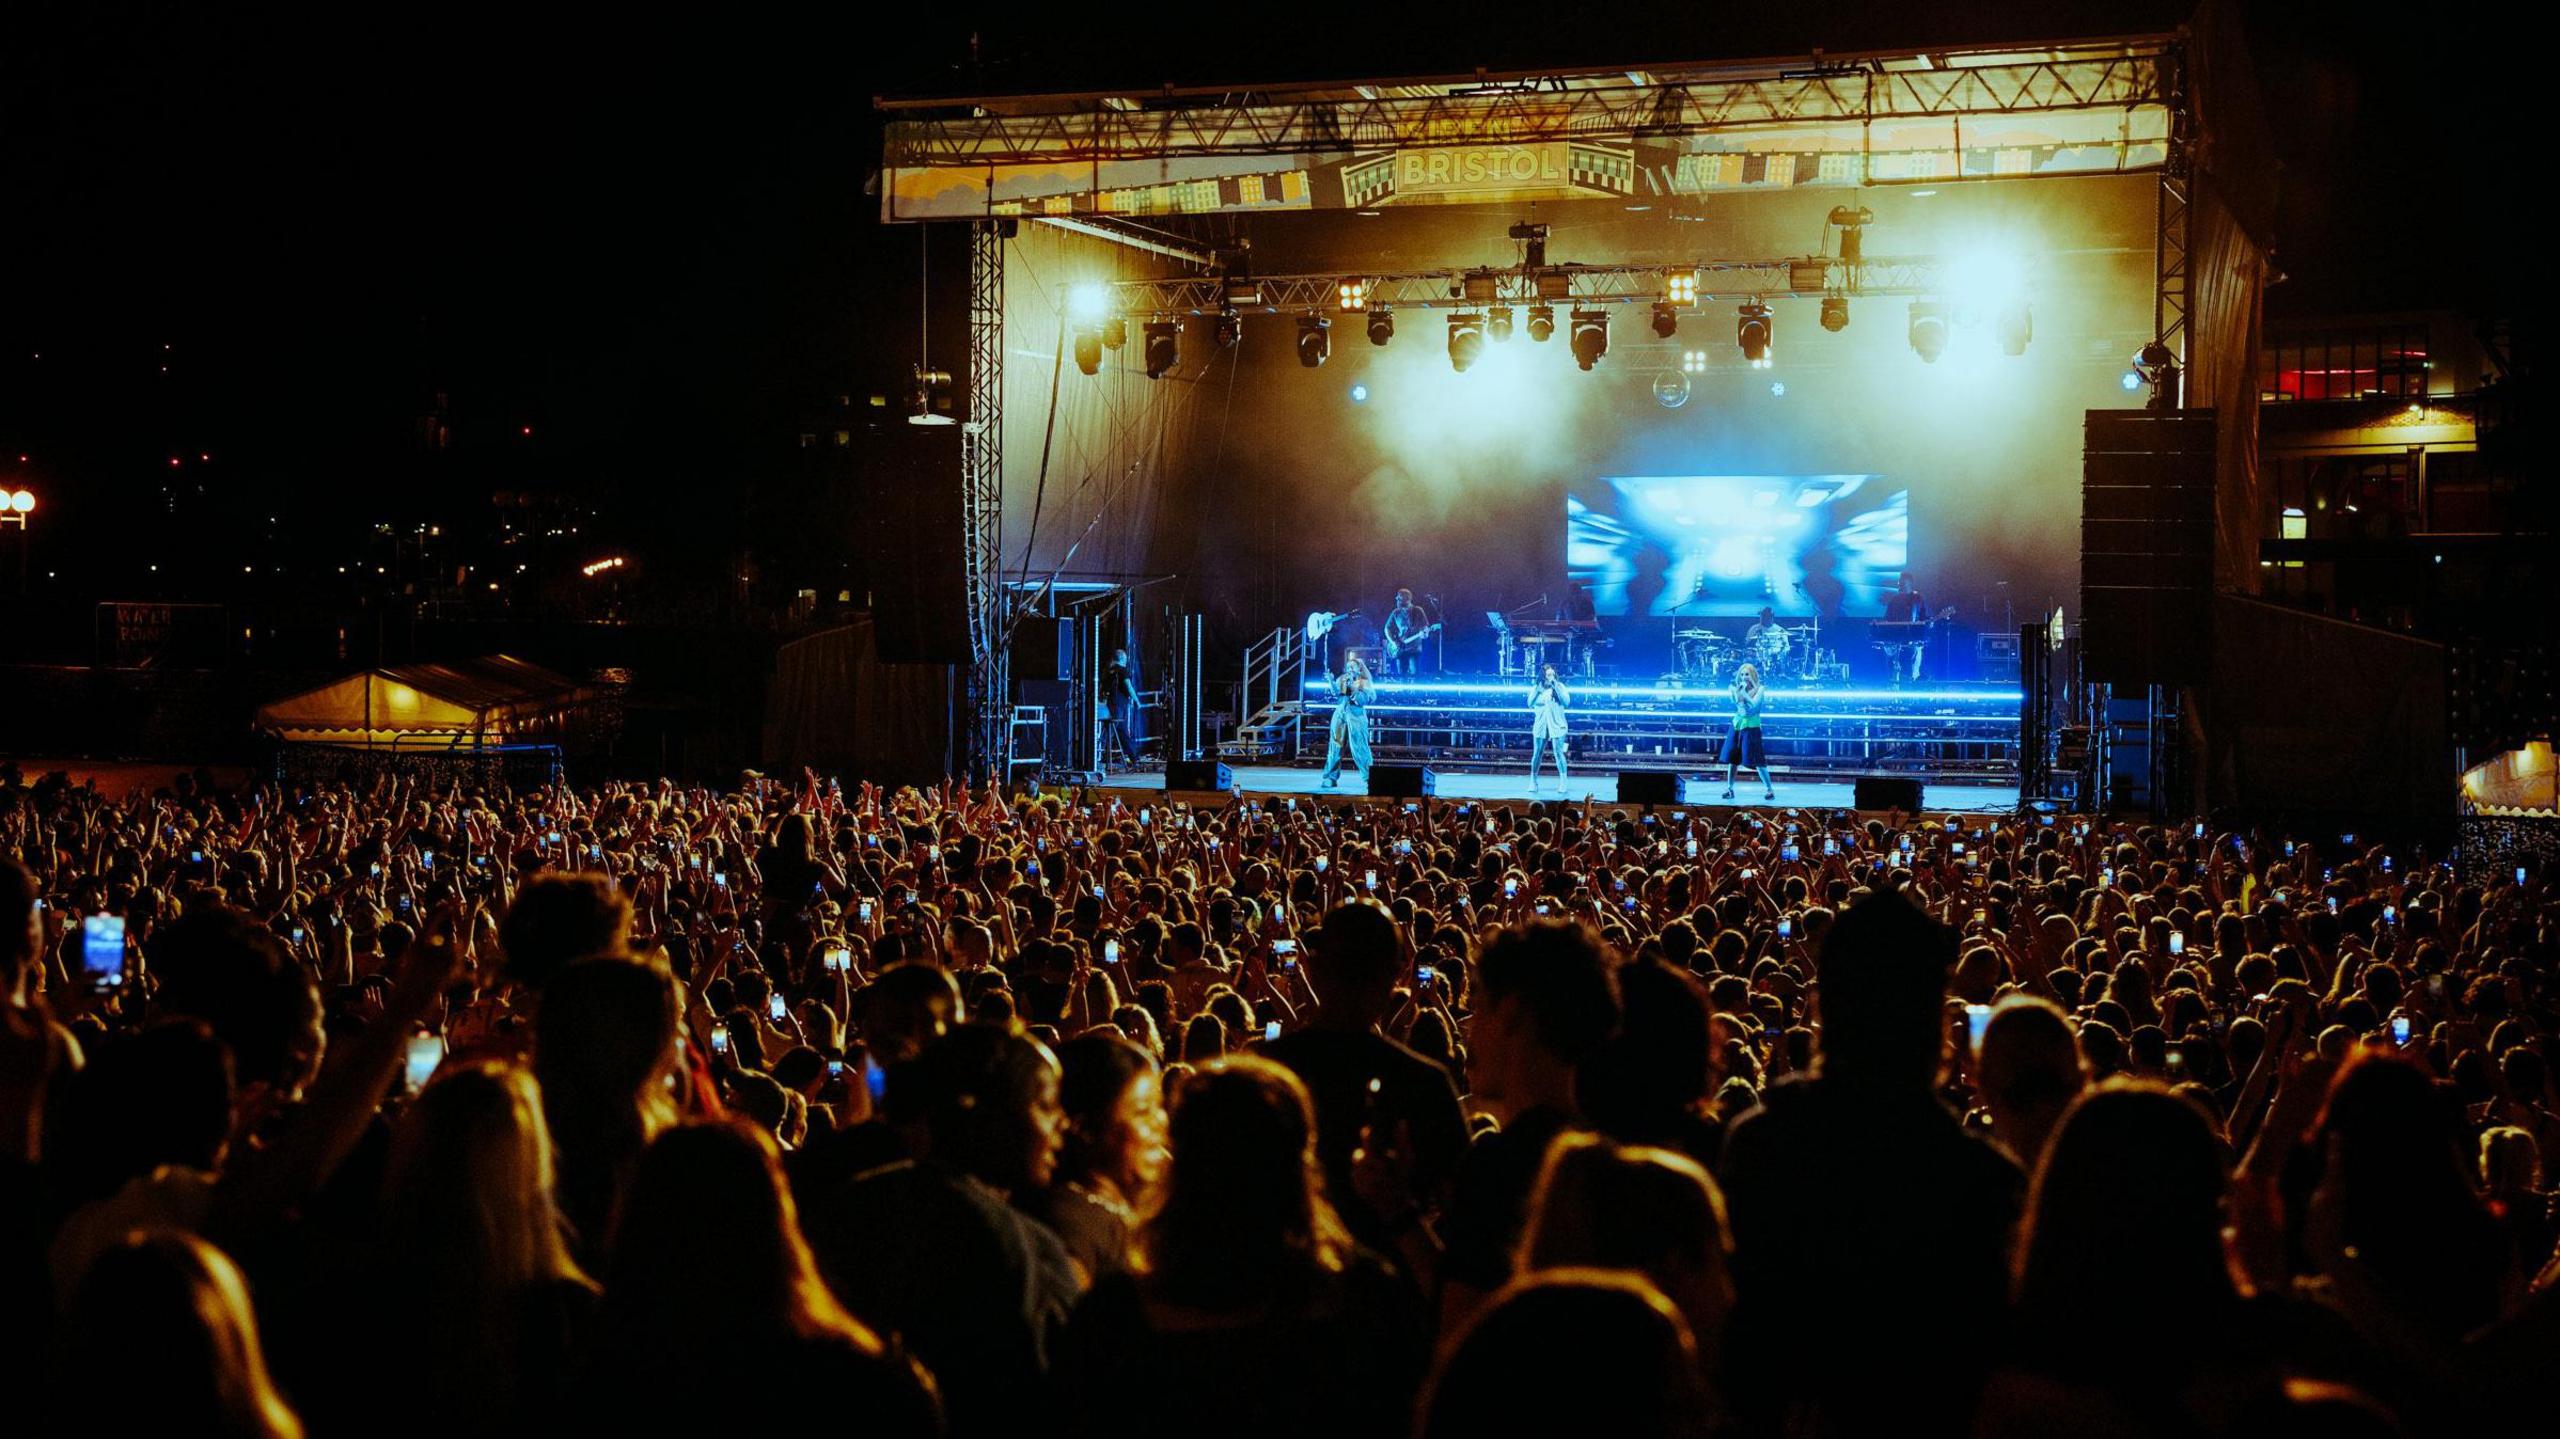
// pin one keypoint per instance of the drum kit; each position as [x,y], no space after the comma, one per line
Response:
[1790,653]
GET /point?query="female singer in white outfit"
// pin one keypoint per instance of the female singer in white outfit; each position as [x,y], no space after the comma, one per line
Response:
[1546,727]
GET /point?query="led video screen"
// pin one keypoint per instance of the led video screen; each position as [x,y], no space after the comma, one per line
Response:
[1726,545]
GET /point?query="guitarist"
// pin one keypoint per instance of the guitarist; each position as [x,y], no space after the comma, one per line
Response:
[1406,628]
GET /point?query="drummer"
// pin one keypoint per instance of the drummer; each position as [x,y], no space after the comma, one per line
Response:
[1767,640]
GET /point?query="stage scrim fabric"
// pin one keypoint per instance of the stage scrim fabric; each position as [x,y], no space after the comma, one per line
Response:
[2312,717]
[835,708]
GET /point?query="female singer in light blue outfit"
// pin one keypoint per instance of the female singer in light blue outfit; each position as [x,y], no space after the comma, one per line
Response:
[1546,725]
[1350,722]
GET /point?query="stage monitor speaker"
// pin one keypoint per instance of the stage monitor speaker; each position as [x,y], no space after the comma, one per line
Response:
[1402,781]
[1056,699]
[1888,791]
[1042,648]
[913,545]
[1648,786]
[1198,776]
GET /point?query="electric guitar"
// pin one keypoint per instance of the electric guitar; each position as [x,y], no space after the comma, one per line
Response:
[1395,650]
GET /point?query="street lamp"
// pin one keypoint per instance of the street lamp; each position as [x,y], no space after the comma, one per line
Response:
[15,506]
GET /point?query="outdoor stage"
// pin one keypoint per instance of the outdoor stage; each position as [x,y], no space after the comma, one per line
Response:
[1511,786]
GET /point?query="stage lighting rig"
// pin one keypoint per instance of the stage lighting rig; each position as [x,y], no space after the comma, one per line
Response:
[1752,332]
[1542,323]
[1382,325]
[1088,350]
[1666,319]
[1115,332]
[1680,287]
[1853,221]
[1466,340]
[2156,365]
[1315,340]
[1590,336]
[1835,313]
[1928,330]
[1227,329]
[2015,325]
[1497,323]
[1164,347]
[1353,294]
[1533,236]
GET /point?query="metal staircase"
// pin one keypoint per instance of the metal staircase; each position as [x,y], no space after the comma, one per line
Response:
[1274,688]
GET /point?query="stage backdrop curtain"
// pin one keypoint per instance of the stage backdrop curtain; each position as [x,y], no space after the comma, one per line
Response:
[2230,201]
[834,707]
[2315,718]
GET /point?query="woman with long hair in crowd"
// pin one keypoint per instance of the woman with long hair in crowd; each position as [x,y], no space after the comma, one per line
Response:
[1114,1154]
[714,1313]
[159,1339]
[1244,1282]
[472,1283]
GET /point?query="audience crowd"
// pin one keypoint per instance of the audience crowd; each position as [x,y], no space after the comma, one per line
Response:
[385,1108]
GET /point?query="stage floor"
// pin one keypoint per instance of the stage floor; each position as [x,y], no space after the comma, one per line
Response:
[1513,787]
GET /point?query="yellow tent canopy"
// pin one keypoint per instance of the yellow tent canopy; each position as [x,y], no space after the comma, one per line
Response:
[496,699]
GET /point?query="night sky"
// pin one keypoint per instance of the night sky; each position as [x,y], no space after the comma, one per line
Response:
[649,245]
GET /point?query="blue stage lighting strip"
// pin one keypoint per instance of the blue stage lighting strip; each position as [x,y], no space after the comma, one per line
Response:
[1715,716]
[1324,685]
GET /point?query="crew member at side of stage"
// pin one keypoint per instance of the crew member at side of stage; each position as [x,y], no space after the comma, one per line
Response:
[1352,693]
[1745,745]
[1547,703]
[1405,629]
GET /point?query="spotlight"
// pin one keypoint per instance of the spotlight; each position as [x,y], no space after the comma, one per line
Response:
[1928,330]
[1778,389]
[1680,287]
[1164,347]
[2156,365]
[1752,332]
[1228,329]
[1497,323]
[1088,302]
[1115,332]
[1666,319]
[1353,294]
[1835,313]
[1088,349]
[1694,362]
[1542,323]
[1590,336]
[2131,381]
[1359,394]
[1382,326]
[1315,340]
[2015,325]
[1671,389]
[1466,340]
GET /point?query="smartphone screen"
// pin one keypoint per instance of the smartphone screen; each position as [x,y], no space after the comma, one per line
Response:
[1111,951]
[1270,1031]
[426,1051]
[1426,975]
[2400,1029]
[774,1006]
[720,1039]
[1511,889]
[866,911]
[1372,880]
[102,950]
[875,1079]
[1283,947]
[840,959]
[1977,1018]
[1786,929]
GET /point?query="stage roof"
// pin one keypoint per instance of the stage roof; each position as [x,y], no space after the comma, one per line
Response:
[1634,132]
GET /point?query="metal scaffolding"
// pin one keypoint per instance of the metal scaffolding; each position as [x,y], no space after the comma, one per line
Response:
[1588,107]
[1813,277]
[989,743]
